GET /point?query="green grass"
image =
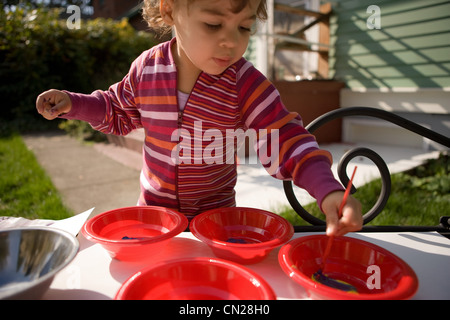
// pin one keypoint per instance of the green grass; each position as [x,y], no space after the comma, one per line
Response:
[25,189]
[419,197]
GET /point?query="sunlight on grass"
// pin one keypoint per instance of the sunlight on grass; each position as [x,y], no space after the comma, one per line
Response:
[25,189]
[419,197]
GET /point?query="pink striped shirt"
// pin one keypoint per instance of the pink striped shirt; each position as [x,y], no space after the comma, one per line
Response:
[241,98]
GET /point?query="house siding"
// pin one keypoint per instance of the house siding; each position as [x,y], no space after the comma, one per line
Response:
[410,50]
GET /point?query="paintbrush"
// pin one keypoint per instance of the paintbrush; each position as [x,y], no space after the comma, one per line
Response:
[320,276]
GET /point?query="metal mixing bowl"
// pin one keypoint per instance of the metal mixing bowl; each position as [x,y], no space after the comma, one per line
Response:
[30,258]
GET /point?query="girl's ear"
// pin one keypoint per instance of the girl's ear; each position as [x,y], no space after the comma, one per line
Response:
[166,11]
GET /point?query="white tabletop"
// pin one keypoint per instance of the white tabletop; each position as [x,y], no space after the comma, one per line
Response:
[94,275]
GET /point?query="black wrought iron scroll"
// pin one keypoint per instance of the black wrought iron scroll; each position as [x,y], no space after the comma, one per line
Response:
[361,152]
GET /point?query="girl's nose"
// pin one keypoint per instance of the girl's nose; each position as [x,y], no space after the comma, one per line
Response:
[229,39]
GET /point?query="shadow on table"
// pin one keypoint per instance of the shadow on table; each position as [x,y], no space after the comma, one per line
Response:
[74,294]
[431,267]
[177,248]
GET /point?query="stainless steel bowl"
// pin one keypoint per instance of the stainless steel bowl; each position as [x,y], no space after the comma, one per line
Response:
[30,258]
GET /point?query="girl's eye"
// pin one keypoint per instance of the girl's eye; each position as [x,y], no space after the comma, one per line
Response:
[245,29]
[213,26]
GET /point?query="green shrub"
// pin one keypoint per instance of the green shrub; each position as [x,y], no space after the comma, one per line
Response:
[38,52]
[82,130]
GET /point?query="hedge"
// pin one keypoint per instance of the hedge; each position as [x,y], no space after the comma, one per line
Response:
[38,52]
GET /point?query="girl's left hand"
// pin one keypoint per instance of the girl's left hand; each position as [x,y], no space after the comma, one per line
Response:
[351,219]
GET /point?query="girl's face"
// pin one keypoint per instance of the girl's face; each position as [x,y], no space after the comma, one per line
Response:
[210,37]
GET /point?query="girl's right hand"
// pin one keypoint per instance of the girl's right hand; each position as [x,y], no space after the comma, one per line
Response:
[52,103]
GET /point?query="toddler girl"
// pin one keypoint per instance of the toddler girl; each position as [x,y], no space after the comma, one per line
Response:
[188,94]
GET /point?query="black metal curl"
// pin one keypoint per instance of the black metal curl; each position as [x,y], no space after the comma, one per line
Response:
[379,162]
[385,191]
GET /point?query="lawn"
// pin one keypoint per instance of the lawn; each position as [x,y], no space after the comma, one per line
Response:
[25,189]
[419,197]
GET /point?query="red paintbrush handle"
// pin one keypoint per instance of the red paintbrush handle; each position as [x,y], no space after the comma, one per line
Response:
[347,192]
[341,207]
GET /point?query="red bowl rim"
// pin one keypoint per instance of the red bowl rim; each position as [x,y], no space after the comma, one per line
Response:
[286,236]
[249,274]
[89,234]
[406,289]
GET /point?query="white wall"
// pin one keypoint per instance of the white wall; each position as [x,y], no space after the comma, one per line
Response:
[428,107]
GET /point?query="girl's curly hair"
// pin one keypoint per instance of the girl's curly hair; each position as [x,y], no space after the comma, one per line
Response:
[151,14]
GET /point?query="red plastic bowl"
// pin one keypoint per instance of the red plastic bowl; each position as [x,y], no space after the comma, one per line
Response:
[134,233]
[195,279]
[348,261]
[244,235]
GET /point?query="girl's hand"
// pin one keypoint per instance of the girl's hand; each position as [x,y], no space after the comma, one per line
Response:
[351,219]
[53,103]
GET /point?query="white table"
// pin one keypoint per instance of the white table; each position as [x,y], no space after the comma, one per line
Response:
[94,275]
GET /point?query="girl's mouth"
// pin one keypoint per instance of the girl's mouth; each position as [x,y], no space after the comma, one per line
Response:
[222,62]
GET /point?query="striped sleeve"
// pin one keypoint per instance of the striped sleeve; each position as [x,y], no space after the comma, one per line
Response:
[115,110]
[122,114]
[288,151]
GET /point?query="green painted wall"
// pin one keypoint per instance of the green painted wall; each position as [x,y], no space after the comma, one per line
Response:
[411,49]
